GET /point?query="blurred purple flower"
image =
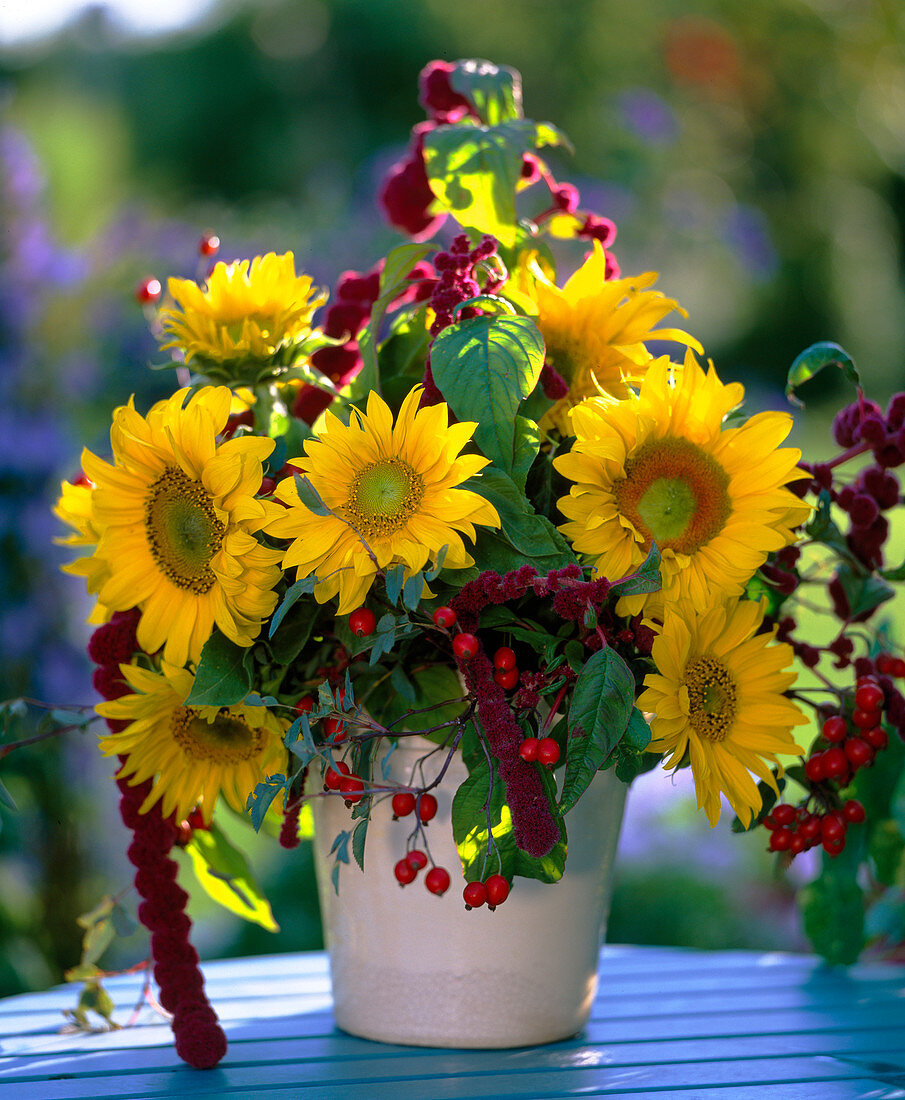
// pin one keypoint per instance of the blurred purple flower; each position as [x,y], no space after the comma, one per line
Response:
[747,231]
[648,115]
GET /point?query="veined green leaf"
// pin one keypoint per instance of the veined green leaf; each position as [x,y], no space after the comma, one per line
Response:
[224,874]
[485,367]
[494,91]
[222,677]
[602,704]
[473,170]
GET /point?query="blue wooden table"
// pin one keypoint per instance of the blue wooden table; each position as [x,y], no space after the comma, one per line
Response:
[666,1021]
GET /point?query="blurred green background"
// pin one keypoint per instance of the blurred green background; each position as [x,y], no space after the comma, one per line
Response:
[752,154]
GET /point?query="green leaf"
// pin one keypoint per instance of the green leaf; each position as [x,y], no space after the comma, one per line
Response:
[896,574]
[532,536]
[224,874]
[525,449]
[475,818]
[359,835]
[295,628]
[494,91]
[637,732]
[261,797]
[309,496]
[602,703]
[887,853]
[304,587]
[646,578]
[833,911]
[485,367]
[897,804]
[473,170]
[431,685]
[222,677]
[399,263]
[395,579]
[96,941]
[864,592]
[812,360]
[411,591]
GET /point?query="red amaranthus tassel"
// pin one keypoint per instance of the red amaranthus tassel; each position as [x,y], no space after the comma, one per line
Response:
[200,1040]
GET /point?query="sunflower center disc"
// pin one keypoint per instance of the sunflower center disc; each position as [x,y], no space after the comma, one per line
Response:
[383,496]
[711,698]
[183,531]
[675,494]
[226,740]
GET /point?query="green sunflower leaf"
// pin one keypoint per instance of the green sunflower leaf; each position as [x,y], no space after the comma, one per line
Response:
[473,170]
[495,91]
[602,704]
[485,367]
[222,677]
[812,360]
[223,872]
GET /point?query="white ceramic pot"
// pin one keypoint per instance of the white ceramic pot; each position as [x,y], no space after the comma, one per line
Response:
[411,967]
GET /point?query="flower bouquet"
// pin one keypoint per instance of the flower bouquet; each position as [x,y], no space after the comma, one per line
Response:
[470,514]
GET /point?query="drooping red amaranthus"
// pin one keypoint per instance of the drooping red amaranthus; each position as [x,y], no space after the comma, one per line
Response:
[200,1041]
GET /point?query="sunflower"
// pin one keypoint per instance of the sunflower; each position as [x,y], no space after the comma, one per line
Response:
[595,329]
[390,495]
[246,319]
[661,467]
[175,516]
[718,696]
[74,508]
[194,753]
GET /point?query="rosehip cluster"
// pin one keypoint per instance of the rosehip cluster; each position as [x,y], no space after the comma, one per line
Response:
[407,802]
[852,743]
[795,829]
[544,750]
[436,880]
[493,890]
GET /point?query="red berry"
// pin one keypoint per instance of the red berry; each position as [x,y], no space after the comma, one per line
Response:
[332,777]
[404,872]
[416,859]
[810,829]
[869,697]
[813,768]
[437,880]
[769,823]
[898,668]
[497,890]
[832,827]
[885,663]
[427,807]
[209,245]
[445,617]
[465,646]
[403,803]
[352,788]
[781,840]
[877,737]
[783,814]
[504,658]
[548,752]
[196,820]
[859,752]
[362,622]
[864,719]
[834,847]
[506,677]
[854,811]
[528,749]
[797,844]
[835,728]
[305,705]
[475,894]
[835,763]
[147,291]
